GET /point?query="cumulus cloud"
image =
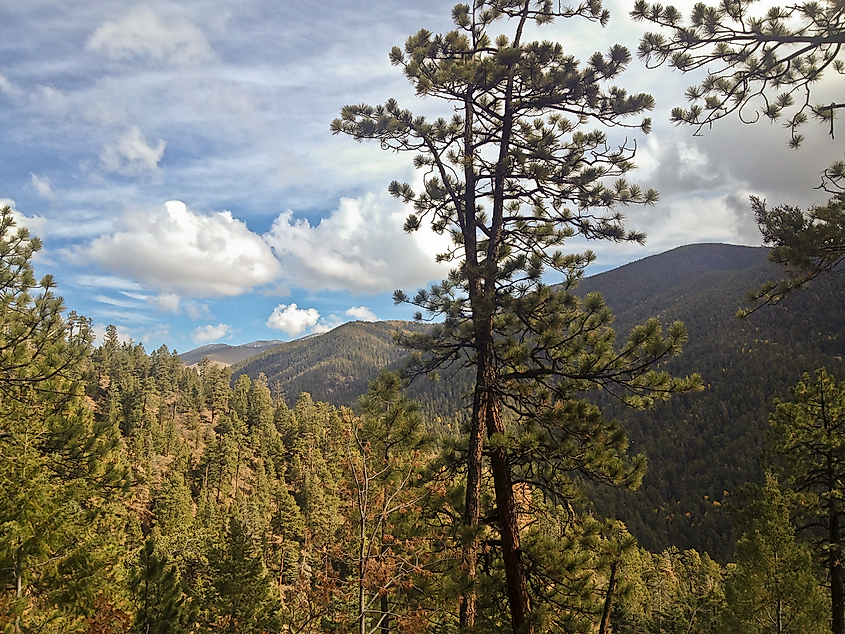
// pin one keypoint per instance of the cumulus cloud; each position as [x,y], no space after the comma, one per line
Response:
[43,186]
[131,154]
[175,250]
[147,35]
[166,302]
[362,313]
[204,334]
[360,247]
[292,320]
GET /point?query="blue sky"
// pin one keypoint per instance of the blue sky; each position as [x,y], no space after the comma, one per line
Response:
[176,160]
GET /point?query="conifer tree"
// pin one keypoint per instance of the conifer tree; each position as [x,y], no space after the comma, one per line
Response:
[509,177]
[61,478]
[241,594]
[384,460]
[758,64]
[159,602]
[808,441]
[772,587]
[761,65]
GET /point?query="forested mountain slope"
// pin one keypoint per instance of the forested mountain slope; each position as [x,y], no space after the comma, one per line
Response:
[701,446]
[698,446]
[337,366]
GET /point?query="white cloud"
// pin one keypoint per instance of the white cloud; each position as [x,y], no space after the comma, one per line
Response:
[166,302]
[292,320]
[325,325]
[145,34]
[35,224]
[361,247]
[132,155]
[204,334]
[196,310]
[43,186]
[176,251]
[362,313]
[8,87]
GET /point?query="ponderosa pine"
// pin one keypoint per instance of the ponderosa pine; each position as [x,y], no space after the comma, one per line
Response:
[509,177]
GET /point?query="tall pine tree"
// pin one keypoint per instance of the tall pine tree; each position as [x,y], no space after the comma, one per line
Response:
[509,177]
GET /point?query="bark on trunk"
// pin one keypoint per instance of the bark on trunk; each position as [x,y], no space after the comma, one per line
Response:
[837,593]
[472,510]
[608,599]
[491,410]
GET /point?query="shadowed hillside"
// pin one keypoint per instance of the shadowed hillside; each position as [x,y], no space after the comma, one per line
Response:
[337,366]
[701,446]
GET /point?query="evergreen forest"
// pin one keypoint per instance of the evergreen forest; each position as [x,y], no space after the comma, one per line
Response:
[620,454]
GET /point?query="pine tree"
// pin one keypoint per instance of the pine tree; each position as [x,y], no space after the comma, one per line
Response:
[760,67]
[756,65]
[807,244]
[808,440]
[509,177]
[241,590]
[61,478]
[772,587]
[159,602]
[384,462]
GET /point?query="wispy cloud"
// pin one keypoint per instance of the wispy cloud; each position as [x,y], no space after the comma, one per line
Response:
[131,154]
[43,186]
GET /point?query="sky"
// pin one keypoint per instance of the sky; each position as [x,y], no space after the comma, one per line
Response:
[176,160]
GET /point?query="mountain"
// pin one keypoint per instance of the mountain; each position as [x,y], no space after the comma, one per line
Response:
[225,354]
[336,367]
[702,448]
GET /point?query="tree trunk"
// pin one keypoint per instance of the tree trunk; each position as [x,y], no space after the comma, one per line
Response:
[608,599]
[472,510]
[837,592]
[384,625]
[491,410]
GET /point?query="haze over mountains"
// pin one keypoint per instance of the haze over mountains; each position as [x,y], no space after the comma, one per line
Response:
[224,354]
[701,448]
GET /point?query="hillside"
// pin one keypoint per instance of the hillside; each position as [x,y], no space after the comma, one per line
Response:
[698,446]
[336,367]
[701,446]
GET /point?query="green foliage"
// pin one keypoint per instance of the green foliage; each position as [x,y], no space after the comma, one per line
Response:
[808,441]
[806,244]
[240,598]
[509,178]
[757,65]
[773,586]
[673,592]
[61,478]
[701,450]
[159,603]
